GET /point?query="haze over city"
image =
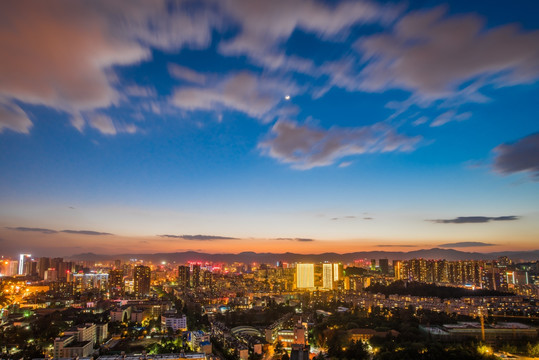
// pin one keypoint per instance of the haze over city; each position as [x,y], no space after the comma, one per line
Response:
[268,126]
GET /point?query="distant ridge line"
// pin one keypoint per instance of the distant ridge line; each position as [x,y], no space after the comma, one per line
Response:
[249,256]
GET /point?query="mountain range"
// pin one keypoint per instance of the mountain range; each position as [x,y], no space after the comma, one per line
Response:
[435,253]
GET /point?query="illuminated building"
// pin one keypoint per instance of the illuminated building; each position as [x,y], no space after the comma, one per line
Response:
[22,260]
[82,282]
[207,279]
[61,289]
[327,276]
[195,280]
[174,321]
[142,276]
[337,272]
[51,275]
[9,267]
[300,334]
[305,276]
[116,283]
[184,275]
[397,269]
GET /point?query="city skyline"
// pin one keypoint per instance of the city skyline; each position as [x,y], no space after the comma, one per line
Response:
[300,126]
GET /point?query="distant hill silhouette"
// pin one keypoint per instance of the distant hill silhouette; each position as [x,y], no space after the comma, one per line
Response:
[268,258]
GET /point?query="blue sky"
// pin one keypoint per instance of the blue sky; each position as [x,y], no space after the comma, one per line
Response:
[353,124]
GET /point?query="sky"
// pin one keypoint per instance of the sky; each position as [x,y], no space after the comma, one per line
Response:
[251,125]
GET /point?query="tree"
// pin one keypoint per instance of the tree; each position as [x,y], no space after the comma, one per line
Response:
[533,350]
[357,350]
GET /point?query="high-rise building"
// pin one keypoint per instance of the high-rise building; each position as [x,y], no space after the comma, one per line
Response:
[22,260]
[9,267]
[397,269]
[327,276]
[373,264]
[184,276]
[305,276]
[207,279]
[116,283]
[195,279]
[142,276]
[337,272]
[384,266]
[43,265]
[30,267]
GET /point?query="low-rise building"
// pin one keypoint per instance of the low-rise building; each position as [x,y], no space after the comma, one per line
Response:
[174,321]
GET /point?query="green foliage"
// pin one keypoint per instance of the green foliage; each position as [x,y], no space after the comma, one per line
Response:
[356,350]
[532,349]
[168,345]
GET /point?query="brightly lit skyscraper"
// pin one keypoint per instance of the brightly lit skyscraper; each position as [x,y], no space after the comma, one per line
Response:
[22,258]
[327,276]
[305,276]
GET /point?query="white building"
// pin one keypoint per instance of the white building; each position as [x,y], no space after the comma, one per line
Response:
[327,276]
[174,321]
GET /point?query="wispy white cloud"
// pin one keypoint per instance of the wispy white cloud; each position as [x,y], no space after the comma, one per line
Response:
[60,53]
[183,73]
[433,56]
[107,126]
[449,116]
[245,92]
[266,25]
[13,117]
[139,91]
[103,124]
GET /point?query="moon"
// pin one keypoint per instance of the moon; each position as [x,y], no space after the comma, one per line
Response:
[287,97]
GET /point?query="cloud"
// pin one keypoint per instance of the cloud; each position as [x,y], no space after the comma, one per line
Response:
[466,244]
[520,156]
[265,26]
[13,117]
[433,56]
[349,217]
[296,239]
[421,120]
[50,231]
[345,164]
[474,219]
[140,91]
[449,116]
[60,53]
[245,92]
[107,126]
[186,74]
[103,124]
[305,146]
[198,237]
[85,232]
[41,230]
